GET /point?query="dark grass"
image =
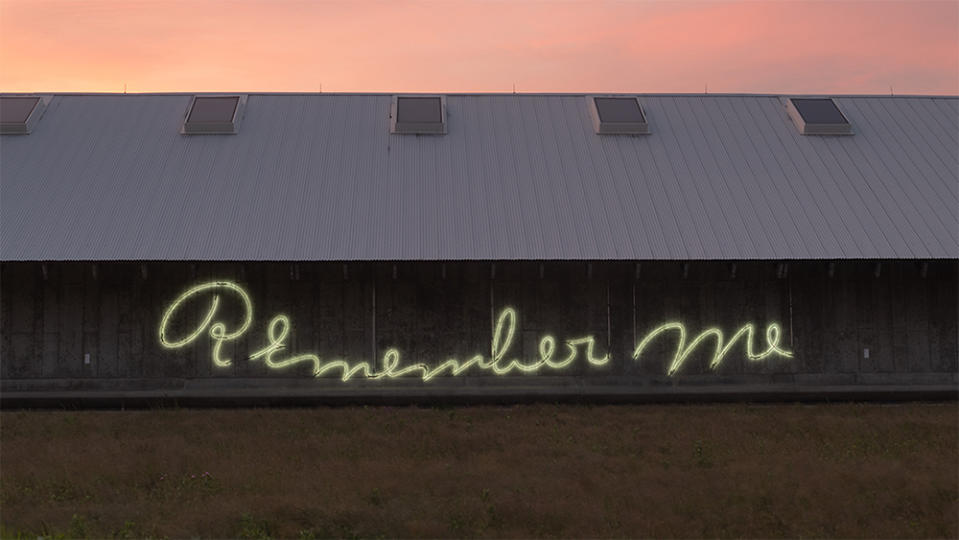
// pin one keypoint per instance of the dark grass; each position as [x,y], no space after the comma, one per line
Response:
[845,470]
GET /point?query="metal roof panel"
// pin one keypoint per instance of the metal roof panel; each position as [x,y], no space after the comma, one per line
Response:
[318,177]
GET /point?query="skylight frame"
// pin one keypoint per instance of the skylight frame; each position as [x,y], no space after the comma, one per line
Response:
[606,127]
[26,127]
[216,127]
[417,128]
[817,128]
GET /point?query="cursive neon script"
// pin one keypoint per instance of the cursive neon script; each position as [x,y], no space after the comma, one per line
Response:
[683,351]
[498,363]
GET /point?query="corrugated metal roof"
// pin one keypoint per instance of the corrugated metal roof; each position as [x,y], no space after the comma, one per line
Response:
[320,177]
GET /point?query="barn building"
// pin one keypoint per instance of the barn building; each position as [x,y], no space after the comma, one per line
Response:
[271,248]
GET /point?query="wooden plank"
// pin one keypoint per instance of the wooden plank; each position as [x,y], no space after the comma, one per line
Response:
[776,311]
[812,335]
[254,282]
[847,332]
[475,309]
[167,281]
[139,304]
[620,281]
[51,353]
[198,356]
[786,320]
[129,276]
[589,300]
[156,296]
[917,317]
[22,352]
[343,308]
[439,327]
[305,338]
[652,310]
[357,313]
[70,360]
[728,312]
[691,301]
[943,322]
[108,330]
[279,300]
[866,308]
[91,318]
[124,354]
[329,324]
[7,281]
[555,304]
[883,317]
[756,309]
[36,280]
[21,302]
[899,317]
[395,328]
[25,359]
[509,290]
[391,314]
[238,350]
[91,297]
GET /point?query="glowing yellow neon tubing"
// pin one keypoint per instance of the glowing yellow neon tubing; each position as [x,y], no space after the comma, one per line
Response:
[279,327]
[504,332]
[218,331]
[683,351]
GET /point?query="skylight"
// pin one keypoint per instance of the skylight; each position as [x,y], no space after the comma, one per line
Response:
[18,114]
[818,116]
[418,114]
[213,114]
[617,115]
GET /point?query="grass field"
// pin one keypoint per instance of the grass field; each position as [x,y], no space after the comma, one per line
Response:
[846,470]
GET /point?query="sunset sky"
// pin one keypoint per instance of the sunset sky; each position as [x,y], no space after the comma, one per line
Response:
[485,46]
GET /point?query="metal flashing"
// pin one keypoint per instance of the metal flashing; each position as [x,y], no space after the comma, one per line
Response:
[19,114]
[418,114]
[213,115]
[617,115]
[817,116]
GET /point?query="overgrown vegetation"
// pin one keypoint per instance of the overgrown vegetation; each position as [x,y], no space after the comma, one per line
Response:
[612,471]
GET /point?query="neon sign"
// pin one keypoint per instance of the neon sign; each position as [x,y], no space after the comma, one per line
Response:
[498,363]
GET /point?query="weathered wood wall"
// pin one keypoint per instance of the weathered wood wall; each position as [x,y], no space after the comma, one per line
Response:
[74,326]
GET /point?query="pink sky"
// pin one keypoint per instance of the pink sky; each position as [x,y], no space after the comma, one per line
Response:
[462,46]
